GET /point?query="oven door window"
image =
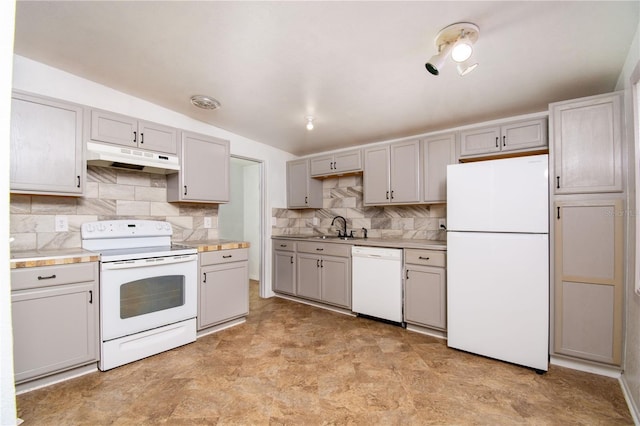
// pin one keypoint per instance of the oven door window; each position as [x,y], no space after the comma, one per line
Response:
[153,294]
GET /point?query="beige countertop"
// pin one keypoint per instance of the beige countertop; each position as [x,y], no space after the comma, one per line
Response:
[214,245]
[371,242]
[32,258]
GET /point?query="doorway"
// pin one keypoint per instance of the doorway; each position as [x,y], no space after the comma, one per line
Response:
[241,218]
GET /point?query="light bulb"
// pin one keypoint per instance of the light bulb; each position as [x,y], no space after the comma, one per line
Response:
[461,51]
[309,122]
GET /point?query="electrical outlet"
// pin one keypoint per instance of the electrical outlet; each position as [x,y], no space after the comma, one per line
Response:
[442,223]
[61,223]
[207,222]
[315,221]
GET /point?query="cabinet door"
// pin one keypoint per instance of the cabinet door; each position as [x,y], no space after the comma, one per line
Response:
[376,175]
[405,172]
[524,135]
[308,280]
[54,328]
[158,138]
[485,140]
[46,146]
[321,166]
[425,301]
[302,190]
[336,280]
[284,272]
[438,152]
[204,170]
[114,128]
[589,280]
[587,145]
[224,293]
[349,161]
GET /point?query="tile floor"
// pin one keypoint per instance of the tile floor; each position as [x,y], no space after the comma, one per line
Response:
[298,365]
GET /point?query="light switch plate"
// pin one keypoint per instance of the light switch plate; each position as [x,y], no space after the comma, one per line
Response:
[61,223]
[315,221]
[207,222]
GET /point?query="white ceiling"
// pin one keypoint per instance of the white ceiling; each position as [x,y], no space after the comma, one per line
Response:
[358,67]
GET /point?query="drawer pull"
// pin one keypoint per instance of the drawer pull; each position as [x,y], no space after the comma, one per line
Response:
[283,245]
[227,256]
[423,258]
[319,249]
[47,278]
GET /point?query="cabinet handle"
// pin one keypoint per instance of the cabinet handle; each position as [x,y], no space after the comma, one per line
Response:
[335,165]
[423,258]
[558,213]
[227,256]
[504,141]
[497,142]
[407,275]
[78,181]
[322,263]
[135,136]
[292,260]
[91,296]
[319,249]
[205,277]
[392,195]
[50,277]
[317,263]
[306,200]
[141,137]
[387,195]
[557,182]
[331,165]
[185,190]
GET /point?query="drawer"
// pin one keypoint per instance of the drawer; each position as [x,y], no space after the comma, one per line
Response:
[425,257]
[46,276]
[284,245]
[223,256]
[326,249]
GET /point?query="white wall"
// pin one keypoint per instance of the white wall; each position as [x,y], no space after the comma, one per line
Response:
[7,389]
[631,376]
[35,77]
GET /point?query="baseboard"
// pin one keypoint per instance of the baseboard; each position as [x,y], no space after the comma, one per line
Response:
[55,378]
[587,367]
[633,408]
[427,331]
[220,327]
[317,305]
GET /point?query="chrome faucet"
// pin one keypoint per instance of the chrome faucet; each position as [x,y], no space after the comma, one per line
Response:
[345,225]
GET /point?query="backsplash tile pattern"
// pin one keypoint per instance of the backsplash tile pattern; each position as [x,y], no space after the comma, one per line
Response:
[342,196]
[109,194]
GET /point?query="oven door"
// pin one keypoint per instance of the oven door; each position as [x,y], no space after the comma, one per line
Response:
[142,294]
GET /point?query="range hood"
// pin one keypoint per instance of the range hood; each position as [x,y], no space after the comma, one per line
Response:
[131,159]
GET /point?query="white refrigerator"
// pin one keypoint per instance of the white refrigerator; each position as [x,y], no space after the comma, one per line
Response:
[498,259]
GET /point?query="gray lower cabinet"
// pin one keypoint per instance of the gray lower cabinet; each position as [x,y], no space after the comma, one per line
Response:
[589,286]
[425,289]
[324,273]
[46,146]
[223,293]
[204,170]
[55,318]
[284,267]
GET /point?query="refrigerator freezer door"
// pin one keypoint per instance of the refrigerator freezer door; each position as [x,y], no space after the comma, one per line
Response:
[508,195]
[498,296]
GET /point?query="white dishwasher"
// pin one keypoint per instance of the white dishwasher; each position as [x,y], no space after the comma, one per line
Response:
[377,282]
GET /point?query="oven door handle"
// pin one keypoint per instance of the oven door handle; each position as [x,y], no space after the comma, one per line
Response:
[154,261]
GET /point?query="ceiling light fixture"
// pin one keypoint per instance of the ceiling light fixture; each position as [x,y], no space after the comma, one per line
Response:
[205,102]
[309,119]
[457,39]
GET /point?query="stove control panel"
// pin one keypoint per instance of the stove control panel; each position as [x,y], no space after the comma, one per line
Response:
[125,229]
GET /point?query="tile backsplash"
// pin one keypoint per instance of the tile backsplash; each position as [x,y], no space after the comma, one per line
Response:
[109,194]
[342,196]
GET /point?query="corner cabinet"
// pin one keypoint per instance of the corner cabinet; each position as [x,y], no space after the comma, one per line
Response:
[519,136]
[303,192]
[336,164]
[392,174]
[284,267]
[47,155]
[438,152]
[204,170]
[587,144]
[324,273]
[425,289]
[55,318]
[223,293]
[127,131]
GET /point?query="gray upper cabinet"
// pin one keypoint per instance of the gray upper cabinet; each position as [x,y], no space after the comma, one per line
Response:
[204,170]
[47,155]
[302,190]
[119,129]
[587,141]
[438,152]
[336,164]
[509,137]
[392,173]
